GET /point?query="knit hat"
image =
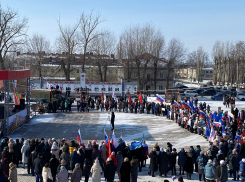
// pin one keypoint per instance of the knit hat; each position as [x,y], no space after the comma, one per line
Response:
[220,152]
[113,153]
[210,161]
[62,168]
[201,152]
[109,159]
[180,179]
[243,160]
[222,162]
[161,149]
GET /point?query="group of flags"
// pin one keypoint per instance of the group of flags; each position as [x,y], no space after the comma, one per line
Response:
[17,98]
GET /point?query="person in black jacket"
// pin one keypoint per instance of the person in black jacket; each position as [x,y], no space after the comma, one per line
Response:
[112,120]
[17,152]
[86,169]
[53,164]
[110,170]
[235,162]
[163,162]
[153,162]
[189,164]
[34,155]
[29,158]
[38,163]
[125,170]
[172,160]
[46,156]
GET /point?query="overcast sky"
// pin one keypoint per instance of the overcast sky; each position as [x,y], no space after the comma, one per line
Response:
[195,22]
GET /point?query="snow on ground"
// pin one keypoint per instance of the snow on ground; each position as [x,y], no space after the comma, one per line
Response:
[44,118]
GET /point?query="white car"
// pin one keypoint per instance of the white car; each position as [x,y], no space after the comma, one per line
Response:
[191,93]
[241,96]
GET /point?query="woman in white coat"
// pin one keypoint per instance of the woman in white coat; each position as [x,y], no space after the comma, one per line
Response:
[46,173]
[23,151]
[96,171]
[55,150]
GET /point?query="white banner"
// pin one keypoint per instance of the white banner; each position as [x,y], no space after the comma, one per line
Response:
[130,89]
[83,80]
[153,99]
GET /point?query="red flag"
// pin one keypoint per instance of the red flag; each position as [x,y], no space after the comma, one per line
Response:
[102,95]
[140,98]
[129,99]
[109,145]
[16,99]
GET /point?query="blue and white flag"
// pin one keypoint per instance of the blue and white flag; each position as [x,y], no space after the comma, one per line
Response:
[136,145]
[106,137]
[115,142]
[160,98]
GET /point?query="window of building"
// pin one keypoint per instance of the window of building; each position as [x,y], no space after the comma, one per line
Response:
[45,70]
[77,70]
[91,71]
[148,77]
[135,74]
[160,87]
[116,71]
[52,70]
[110,71]
[211,71]
[206,71]
[161,75]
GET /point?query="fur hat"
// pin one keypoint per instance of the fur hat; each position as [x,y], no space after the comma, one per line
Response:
[210,161]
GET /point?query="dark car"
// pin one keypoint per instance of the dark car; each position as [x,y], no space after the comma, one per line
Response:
[198,90]
[218,97]
[208,93]
[180,86]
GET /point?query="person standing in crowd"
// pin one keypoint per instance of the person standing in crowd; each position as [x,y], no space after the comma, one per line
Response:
[11,149]
[189,164]
[223,171]
[181,160]
[86,169]
[125,170]
[163,162]
[96,171]
[134,169]
[110,170]
[62,176]
[12,172]
[5,166]
[153,162]
[23,151]
[172,159]
[46,173]
[29,157]
[53,164]
[38,166]
[202,162]
[112,120]
[76,174]
[119,158]
[209,171]
[235,163]
[17,152]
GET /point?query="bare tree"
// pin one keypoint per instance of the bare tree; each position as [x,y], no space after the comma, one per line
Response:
[67,43]
[88,26]
[175,54]
[12,33]
[202,59]
[192,61]
[104,46]
[39,45]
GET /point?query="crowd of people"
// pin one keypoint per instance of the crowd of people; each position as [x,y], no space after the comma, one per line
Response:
[58,160]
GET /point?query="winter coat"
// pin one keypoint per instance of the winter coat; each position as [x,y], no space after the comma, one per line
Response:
[13,174]
[153,161]
[11,145]
[46,157]
[5,167]
[110,170]
[53,164]
[66,156]
[23,151]
[236,160]
[75,158]
[198,150]
[223,173]
[209,171]
[46,148]
[201,161]
[220,157]
[172,158]
[230,161]
[163,162]
[125,172]
[95,154]
[96,172]
[3,144]
[119,161]
[76,175]
[5,154]
[189,165]
[17,149]
[38,165]
[62,176]
[242,169]
[182,158]
[217,172]
[86,167]
[104,152]
[46,174]
[134,170]
[55,150]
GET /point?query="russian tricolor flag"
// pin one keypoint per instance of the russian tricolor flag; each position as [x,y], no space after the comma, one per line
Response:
[79,138]
[239,139]
[217,124]
[201,113]
[106,137]
[159,98]
[176,104]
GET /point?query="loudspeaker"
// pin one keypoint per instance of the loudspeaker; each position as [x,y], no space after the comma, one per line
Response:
[1,112]
[22,104]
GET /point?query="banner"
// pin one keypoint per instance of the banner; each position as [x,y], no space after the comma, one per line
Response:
[136,145]
[17,120]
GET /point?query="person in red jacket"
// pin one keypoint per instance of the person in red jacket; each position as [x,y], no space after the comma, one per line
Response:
[112,156]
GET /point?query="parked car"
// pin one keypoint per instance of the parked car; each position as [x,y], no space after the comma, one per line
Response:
[184,95]
[180,86]
[191,93]
[241,96]
[232,92]
[203,86]
[208,93]
[218,97]
[198,90]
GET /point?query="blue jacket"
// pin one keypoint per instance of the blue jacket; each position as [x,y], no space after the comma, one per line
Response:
[242,169]
[182,158]
[209,171]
